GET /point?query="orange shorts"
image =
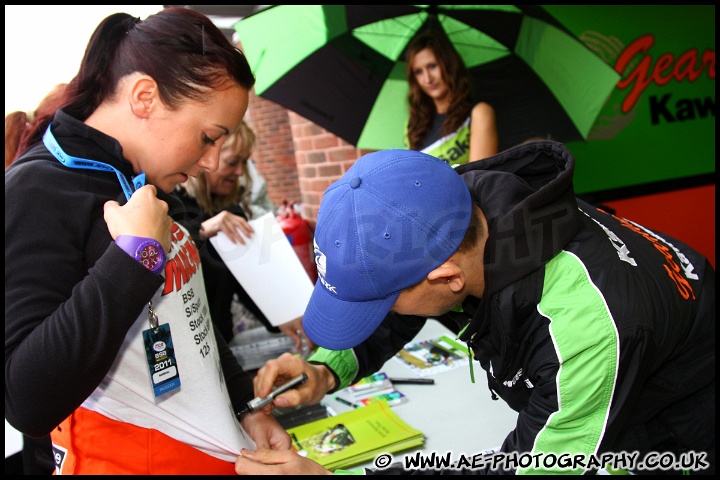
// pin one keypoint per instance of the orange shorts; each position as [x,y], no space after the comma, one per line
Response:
[89,443]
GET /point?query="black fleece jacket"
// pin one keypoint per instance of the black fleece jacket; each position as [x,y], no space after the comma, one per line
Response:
[71,294]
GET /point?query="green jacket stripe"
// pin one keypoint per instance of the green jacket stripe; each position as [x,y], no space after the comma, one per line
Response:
[587,345]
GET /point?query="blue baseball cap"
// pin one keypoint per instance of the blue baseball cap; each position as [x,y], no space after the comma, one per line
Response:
[391,219]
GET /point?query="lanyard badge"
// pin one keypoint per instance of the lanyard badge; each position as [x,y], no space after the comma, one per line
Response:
[164,373]
[160,351]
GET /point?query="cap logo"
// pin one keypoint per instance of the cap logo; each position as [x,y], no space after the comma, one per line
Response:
[321,263]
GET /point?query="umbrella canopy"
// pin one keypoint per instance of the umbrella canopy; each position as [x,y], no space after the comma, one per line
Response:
[342,67]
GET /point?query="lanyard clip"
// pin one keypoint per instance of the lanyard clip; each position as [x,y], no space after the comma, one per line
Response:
[138,181]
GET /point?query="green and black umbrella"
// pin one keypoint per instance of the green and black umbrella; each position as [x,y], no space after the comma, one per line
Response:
[342,67]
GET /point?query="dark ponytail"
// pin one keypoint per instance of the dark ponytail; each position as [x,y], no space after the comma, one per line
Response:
[181,49]
[93,82]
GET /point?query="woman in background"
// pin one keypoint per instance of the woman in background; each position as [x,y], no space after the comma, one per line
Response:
[444,121]
[17,124]
[219,202]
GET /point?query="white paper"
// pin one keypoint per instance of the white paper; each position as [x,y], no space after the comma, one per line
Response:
[268,269]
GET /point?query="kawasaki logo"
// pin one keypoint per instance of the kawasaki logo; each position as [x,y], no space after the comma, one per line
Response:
[456,152]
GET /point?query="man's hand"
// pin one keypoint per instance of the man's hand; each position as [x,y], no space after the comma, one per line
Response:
[286,367]
[273,462]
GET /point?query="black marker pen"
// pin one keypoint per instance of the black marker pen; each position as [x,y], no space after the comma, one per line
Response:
[345,402]
[259,402]
[413,381]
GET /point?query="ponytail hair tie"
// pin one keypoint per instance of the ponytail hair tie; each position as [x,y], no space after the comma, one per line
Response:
[132,21]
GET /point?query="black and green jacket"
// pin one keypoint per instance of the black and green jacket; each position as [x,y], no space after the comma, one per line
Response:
[598,331]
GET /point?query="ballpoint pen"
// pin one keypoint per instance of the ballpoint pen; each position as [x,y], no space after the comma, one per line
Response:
[259,402]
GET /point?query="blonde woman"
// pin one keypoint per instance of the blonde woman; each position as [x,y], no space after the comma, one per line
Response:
[219,202]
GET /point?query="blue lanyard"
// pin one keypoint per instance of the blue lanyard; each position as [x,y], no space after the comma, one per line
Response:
[76,162]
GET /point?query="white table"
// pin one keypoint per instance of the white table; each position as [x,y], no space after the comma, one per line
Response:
[454,414]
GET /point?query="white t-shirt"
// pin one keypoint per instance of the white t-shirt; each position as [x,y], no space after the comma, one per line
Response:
[199,412]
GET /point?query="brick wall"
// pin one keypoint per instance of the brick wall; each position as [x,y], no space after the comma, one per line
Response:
[274,153]
[297,158]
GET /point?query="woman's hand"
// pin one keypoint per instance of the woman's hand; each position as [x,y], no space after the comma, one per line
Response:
[270,462]
[230,224]
[144,215]
[265,431]
[294,330]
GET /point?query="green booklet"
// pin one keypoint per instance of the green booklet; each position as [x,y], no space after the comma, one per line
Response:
[354,437]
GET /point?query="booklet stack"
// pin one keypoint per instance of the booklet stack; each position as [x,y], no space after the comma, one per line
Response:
[354,437]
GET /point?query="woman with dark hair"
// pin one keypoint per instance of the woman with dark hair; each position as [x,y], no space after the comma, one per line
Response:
[109,346]
[444,121]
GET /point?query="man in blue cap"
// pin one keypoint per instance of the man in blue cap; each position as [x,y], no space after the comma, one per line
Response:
[600,332]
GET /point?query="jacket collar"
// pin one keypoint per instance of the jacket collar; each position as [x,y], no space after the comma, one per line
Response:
[527,196]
